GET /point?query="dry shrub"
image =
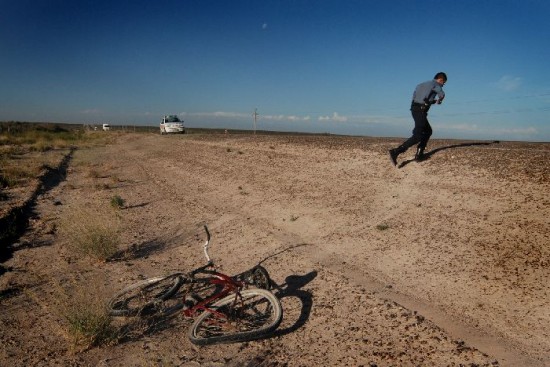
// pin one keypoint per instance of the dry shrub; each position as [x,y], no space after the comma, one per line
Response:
[88,323]
[19,169]
[81,310]
[41,146]
[93,233]
[19,172]
[94,173]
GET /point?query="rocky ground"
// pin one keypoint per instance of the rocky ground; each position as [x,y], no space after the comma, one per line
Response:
[437,263]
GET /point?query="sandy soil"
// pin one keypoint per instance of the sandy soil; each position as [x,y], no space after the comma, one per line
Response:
[437,263]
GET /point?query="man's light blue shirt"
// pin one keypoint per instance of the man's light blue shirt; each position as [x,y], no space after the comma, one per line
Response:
[426,92]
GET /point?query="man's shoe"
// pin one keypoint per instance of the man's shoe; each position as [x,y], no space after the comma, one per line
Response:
[393,156]
[419,156]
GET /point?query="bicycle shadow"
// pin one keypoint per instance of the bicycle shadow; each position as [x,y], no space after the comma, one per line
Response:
[134,329]
[429,154]
[283,251]
[139,251]
[292,288]
[142,250]
[141,205]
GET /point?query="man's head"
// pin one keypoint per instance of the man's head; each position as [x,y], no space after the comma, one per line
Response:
[441,78]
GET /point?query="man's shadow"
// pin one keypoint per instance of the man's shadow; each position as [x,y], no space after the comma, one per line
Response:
[429,154]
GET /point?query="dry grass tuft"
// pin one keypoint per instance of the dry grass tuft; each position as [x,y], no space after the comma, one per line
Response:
[93,233]
[88,322]
[81,311]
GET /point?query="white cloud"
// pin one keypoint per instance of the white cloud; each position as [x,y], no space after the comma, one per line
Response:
[491,130]
[462,127]
[335,117]
[264,26]
[217,114]
[519,131]
[228,114]
[381,119]
[241,115]
[509,83]
[284,118]
[91,111]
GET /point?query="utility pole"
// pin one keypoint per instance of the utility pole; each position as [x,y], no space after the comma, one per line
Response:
[255,114]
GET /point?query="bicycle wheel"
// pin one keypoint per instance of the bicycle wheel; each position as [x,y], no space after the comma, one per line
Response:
[256,313]
[260,277]
[144,297]
[257,276]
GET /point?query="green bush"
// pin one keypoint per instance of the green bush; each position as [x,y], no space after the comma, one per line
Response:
[117,202]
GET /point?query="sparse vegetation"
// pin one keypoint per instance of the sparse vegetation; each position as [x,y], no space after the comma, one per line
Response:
[382,226]
[102,186]
[43,137]
[17,172]
[22,148]
[92,233]
[94,173]
[117,202]
[89,325]
[115,179]
[87,319]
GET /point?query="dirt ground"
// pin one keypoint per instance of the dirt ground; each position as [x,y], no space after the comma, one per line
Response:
[443,262]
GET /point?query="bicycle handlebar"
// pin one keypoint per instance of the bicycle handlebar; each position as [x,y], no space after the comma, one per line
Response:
[209,262]
[205,247]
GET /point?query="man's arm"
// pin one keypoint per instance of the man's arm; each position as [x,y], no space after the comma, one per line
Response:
[440,94]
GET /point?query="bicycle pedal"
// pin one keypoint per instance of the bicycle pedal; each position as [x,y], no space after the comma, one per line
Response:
[187,304]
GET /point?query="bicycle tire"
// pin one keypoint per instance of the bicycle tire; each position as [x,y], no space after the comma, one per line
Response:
[257,277]
[260,277]
[144,297]
[257,314]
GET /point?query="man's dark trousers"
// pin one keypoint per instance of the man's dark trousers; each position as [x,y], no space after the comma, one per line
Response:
[421,132]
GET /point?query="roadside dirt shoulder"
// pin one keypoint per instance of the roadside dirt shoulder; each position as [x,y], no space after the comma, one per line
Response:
[438,263]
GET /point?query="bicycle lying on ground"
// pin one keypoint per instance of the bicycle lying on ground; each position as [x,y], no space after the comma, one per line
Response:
[226,308]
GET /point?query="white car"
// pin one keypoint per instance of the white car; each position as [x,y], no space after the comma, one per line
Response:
[106,127]
[171,124]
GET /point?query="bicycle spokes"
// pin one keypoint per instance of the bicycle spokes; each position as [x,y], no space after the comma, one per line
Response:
[246,317]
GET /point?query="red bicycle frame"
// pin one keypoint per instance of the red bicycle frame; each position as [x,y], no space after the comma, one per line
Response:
[229,285]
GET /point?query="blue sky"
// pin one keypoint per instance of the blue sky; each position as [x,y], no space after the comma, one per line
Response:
[342,67]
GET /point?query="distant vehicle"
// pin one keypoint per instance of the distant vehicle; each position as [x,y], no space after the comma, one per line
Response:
[171,124]
[106,127]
